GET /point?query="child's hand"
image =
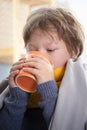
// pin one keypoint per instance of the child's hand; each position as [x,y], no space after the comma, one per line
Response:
[40,67]
[14,71]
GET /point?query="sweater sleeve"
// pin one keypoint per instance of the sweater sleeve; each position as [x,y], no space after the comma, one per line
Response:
[48,92]
[11,115]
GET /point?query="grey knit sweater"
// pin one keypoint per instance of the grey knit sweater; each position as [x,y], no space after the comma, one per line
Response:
[12,113]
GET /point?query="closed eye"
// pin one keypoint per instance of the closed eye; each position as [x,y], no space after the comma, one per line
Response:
[50,50]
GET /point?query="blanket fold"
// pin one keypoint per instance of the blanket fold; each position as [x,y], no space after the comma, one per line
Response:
[71,108]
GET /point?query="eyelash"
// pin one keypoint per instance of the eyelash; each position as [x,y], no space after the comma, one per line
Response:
[50,50]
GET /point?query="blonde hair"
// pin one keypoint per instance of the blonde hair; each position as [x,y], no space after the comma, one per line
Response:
[67,26]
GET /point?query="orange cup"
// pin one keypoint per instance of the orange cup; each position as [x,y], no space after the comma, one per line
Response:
[27,81]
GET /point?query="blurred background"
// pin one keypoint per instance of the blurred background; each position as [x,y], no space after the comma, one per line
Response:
[13,15]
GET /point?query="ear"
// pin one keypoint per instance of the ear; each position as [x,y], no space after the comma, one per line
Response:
[74,56]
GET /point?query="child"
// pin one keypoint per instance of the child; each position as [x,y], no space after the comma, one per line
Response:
[61,85]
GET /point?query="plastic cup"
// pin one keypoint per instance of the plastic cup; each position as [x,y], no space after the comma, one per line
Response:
[27,81]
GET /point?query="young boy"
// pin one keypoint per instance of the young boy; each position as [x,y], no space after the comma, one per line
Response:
[60,100]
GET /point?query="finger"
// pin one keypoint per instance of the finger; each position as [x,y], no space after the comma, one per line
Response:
[12,77]
[33,71]
[19,62]
[36,62]
[16,67]
[13,73]
[22,59]
[36,65]
[32,64]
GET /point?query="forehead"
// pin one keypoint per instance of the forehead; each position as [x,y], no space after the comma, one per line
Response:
[41,38]
[49,35]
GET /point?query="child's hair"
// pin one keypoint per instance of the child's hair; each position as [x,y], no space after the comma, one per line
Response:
[66,25]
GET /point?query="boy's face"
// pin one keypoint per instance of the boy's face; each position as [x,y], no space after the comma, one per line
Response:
[49,43]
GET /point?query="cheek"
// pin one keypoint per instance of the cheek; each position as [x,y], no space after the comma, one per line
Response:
[59,61]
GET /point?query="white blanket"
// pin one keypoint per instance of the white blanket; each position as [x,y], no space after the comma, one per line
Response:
[71,107]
